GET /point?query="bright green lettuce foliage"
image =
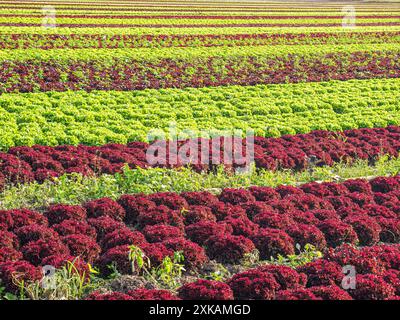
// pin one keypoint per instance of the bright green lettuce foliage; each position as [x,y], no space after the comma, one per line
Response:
[108,57]
[191,31]
[183,21]
[99,117]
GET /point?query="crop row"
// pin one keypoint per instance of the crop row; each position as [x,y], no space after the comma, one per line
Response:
[77,189]
[206,227]
[194,4]
[187,17]
[33,76]
[79,41]
[127,10]
[321,279]
[206,11]
[299,152]
[199,20]
[101,117]
[200,7]
[189,31]
[155,55]
[193,25]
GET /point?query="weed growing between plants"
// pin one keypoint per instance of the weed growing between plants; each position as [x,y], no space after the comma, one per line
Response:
[199,151]
[75,189]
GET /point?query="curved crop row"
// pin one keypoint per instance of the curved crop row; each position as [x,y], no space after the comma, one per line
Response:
[203,226]
[298,152]
[95,41]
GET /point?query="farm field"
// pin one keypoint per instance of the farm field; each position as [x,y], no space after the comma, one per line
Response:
[198,150]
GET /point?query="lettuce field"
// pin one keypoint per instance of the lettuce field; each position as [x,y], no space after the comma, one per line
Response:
[198,150]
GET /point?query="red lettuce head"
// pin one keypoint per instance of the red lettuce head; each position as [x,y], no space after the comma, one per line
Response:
[161,232]
[390,230]
[198,213]
[105,207]
[296,294]
[273,242]
[372,287]
[226,248]
[384,184]
[253,285]
[68,227]
[236,196]
[254,208]
[135,205]
[202,198]
[242,226]
[105,225]
[152,294]
[303,234]
[337,233]
[35,232]
[161,215]
[82,246]
[60,212]
[322,273]
[332,292]
[170,200]
[156,253]
[205,290]
[264,194]
[24,217]
[14,272]
[6,220]
[200,232]
[286,277]
[8,254]
[36,251]
[358,185]
[117,257]
[367,229]
[274,220]
[8,240]
[123,236]
[194,255]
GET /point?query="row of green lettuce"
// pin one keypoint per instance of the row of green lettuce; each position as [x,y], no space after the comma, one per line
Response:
[269,13]
[107,56]
[184,21]
[99,117]
[190,31]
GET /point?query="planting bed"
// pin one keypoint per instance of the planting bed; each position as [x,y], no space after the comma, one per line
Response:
[195,150]
[298,152]
[122,69]
[101,117]
[226,228]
